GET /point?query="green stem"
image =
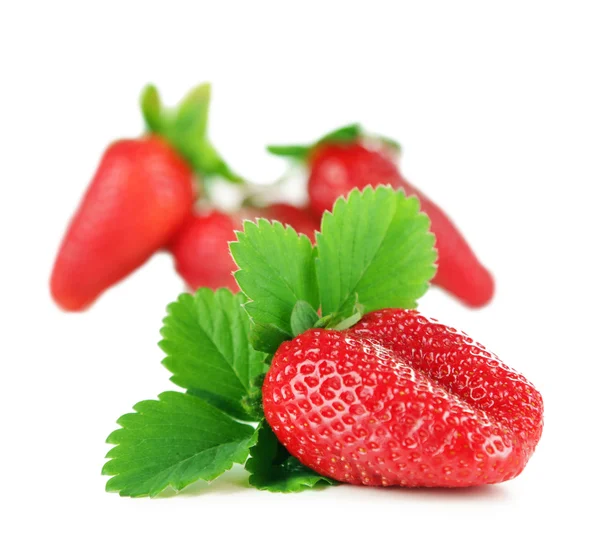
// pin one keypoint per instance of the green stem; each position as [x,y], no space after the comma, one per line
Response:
[185,128]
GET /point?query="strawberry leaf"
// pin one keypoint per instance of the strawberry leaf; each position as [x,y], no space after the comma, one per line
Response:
[266,337]
[345,134]
[151,106]
[348,318]
[205,337]
[304,317]
[276,270]
[377,245]
[252,402]
[272,468]
[173,441]
[297,152]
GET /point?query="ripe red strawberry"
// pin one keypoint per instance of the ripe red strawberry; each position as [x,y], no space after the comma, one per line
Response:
[140,195]
[401,400]
[201,250]
[338,168]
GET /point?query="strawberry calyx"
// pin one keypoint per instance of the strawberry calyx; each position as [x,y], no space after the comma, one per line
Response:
[345,135]
[344,319]
[267,337]
[185,128]
[253,402]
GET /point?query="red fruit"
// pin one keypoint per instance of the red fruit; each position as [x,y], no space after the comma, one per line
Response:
[201,247]
[338,168]
[300,218]
[140,195]
[401,400]
[201,250]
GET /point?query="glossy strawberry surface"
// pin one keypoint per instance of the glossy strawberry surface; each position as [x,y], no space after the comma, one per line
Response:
[140,195]
[337,169]
[400,399]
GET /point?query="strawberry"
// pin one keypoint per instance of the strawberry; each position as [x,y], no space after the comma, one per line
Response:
[140,195]
[201,250]
[339,164]
[201,246]
[400,399]
[300,218]
[387,398]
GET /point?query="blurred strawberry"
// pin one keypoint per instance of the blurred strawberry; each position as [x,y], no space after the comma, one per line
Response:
[343,160]
[201,246]
[201,250]
[140,195]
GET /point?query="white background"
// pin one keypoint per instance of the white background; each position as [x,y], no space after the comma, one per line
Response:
[497,105]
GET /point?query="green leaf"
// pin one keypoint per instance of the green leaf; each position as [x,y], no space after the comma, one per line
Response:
[377,245]
[273,468]
[253,402]
[297,152]
[276,271]
[173,441]
[349,321]
[185,128]
[189,130]
[345,134]
[151,107]
[347,318]
[339,321]
[188,125]
[192,114]
[206,339]
[304,317]
[206,159]
[266,337]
